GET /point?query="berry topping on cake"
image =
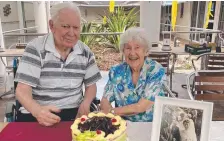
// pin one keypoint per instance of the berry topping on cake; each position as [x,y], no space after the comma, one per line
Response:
[98,131]
[114,120]
[98,123]
[99,127]
[83,119]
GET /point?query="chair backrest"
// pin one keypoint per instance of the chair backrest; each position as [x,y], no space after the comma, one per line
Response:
[215,62]
[94,106]
[168,92]
[209,86]
[162,58]
[210,61]
[21,45]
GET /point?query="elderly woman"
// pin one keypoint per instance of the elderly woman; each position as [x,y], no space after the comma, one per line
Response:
[134,83]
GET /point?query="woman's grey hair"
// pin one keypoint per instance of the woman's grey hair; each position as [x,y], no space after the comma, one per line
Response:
[136,34]
[55,9]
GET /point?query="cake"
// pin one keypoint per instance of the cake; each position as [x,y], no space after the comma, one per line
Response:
[99,127]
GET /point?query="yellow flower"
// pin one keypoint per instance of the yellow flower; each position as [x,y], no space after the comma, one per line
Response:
[112,6]
[104,20]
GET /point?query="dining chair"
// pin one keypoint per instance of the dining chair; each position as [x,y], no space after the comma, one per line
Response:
[208,85]
[210,61]
[13,108]
[167,60]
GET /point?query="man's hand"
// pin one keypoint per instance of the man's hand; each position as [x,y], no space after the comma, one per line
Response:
[46,117]
[84,109]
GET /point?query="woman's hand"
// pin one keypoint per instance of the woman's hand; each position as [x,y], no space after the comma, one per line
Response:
[105,106]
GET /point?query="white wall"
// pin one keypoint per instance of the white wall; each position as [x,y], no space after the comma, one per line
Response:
[12,19]
[88,13]
[150,15]
[185,20]
[11,22]
[92,14]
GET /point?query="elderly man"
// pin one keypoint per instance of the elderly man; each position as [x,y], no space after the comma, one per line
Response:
[53,69]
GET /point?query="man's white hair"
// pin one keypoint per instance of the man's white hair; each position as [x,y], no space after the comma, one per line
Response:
[136,34]
[55,9]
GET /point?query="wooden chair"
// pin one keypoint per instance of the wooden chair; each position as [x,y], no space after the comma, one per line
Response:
[210,61]
[13,108]
[208,85]
[21,45]
[164,59]
[168,92]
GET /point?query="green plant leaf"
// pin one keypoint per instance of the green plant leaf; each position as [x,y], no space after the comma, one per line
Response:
[119,21]
[91,40]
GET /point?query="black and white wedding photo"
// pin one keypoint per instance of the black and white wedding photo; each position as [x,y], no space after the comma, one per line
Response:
[180,124]
[181,120]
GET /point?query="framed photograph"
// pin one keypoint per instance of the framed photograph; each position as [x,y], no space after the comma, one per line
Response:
[181,120]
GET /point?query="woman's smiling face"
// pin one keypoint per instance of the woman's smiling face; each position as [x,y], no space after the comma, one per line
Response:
[134,54]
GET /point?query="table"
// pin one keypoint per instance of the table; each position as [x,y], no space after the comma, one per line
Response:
[218,110]
[2,125]
[12,53]
[140,131]
[176,50]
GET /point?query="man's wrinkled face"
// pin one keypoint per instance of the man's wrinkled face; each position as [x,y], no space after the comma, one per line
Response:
[66,28]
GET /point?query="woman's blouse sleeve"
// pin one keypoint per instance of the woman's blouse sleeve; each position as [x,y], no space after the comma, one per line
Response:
[154,85]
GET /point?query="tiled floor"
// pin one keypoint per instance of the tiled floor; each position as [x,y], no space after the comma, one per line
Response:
[179,78]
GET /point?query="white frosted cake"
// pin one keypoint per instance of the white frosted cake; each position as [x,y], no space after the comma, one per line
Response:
[99,127]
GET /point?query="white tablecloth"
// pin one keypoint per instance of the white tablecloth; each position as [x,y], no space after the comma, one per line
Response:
[141,131]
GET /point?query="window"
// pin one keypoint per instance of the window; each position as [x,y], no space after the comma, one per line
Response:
[194,17]
[201,12]
[197,17]
[181,10]
[221,17]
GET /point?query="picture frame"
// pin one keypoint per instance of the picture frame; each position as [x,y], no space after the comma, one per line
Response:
[180,118]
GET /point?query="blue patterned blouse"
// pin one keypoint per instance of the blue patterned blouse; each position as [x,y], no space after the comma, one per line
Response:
[121,89]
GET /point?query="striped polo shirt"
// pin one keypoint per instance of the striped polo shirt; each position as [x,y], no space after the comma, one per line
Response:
[54,81]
